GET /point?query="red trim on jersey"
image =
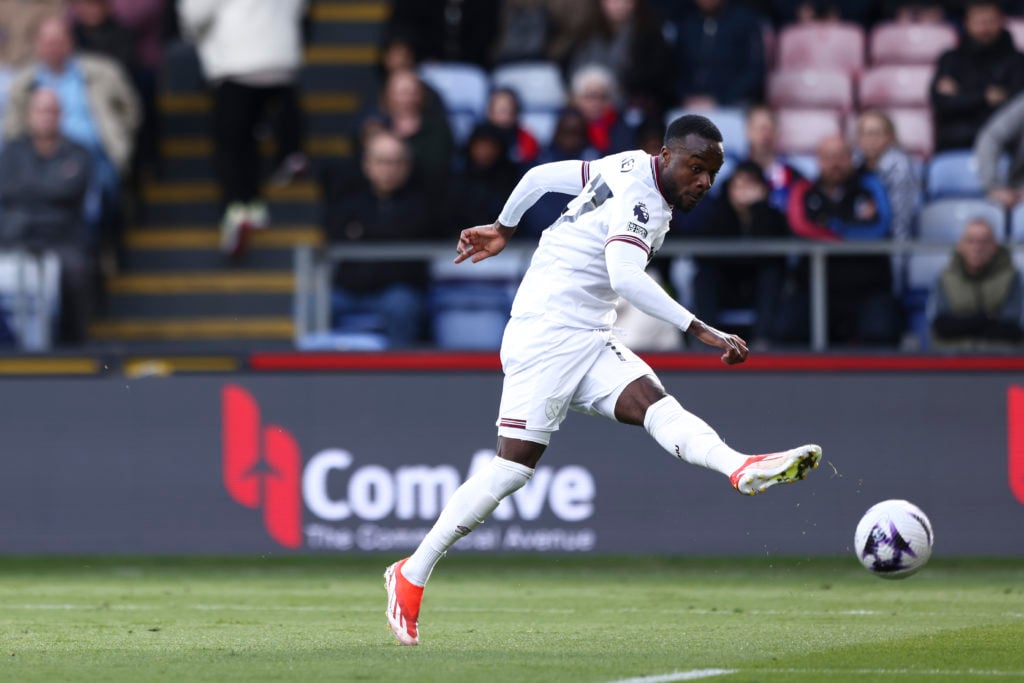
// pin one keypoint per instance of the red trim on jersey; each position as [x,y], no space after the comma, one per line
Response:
[629,239]
[512,424]
[657,177]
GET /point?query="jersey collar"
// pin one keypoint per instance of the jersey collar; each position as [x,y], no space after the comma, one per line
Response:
[657,177]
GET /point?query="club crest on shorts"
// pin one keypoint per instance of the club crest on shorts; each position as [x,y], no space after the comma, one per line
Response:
[641,212]
[553,408]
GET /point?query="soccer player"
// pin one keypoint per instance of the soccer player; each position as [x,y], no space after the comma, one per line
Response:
[559,351]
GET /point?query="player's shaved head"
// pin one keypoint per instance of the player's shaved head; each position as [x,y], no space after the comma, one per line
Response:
[691,124]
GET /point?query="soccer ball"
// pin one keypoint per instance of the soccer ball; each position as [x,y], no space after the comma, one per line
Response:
[893,539]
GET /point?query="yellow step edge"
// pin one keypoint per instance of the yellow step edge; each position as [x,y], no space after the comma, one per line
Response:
[49,366]
[189,192]
[270,327]
[312,103]
[352,11]
[202,146]
[203,282]
[276,237]
[164,366]
[342,55]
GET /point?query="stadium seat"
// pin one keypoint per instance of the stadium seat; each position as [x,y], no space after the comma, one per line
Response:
[800,130]
[910,43]
[913,130]
[895,86]
[538,84]
[943,220]
[811,88]
[1015,230]
[540,124]
[29,298]
[822,45]
[463,88]
[731,121]
[470,306]
[806,164]
[1015,25]
[952,173]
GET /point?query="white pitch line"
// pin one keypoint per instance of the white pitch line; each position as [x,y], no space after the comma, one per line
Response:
[693,675]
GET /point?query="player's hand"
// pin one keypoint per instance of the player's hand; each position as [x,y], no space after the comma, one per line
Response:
[734,347]
[482,241]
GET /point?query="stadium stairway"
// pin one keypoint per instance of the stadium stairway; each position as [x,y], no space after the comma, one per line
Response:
[176,289]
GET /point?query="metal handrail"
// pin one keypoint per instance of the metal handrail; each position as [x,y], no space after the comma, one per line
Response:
[313,268]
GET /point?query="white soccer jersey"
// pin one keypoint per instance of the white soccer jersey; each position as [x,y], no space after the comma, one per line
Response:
[621,202]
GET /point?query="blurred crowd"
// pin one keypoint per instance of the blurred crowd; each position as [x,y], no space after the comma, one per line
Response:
[831,134]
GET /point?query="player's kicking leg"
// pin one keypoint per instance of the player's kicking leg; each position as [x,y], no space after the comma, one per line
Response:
[404,600]
[761,472]
[690,438]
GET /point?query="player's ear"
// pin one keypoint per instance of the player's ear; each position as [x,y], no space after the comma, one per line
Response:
[666,155]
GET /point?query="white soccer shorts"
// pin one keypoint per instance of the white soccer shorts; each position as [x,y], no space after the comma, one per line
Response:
[550,368]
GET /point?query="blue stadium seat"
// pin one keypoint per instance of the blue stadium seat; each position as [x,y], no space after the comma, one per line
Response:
[1015,231]
[538,84]
[730,120]
[463,88]
[954,173]
[943,220]
[470,303]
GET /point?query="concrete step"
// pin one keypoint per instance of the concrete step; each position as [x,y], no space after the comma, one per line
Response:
[187,248]
[193,328]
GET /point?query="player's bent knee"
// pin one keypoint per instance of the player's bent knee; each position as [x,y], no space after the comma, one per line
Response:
[632,404]
[521,449]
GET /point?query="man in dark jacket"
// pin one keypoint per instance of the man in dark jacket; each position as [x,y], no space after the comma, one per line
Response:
[43,180]
[384,206]
[722,46]
[977,301]
[845,204]
[975,78]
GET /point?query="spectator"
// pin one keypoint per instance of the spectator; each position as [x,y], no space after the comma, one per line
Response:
[503,113]
[975,78]
[594,91]
[488,177]
[406,111]
[845,204]
[448,30]
[722,48]
[1004,132]
[627,39]
[19,25]
[96,30]
[881,155]
[569,142]
[385,206]
[251,53]
[780,175]
[100,111]
[145,20]
[524,31]
[43,180]
[743,212]
[976,302]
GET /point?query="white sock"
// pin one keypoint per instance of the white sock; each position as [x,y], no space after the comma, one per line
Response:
[466,509]
[690,438]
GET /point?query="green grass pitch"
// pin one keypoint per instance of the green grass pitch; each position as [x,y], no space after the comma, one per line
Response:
[536,618]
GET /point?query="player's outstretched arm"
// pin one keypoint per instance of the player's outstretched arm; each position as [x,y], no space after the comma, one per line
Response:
[734,347]
[482,241]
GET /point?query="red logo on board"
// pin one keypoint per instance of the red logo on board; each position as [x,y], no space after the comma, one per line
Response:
[1015,439]
[262,466]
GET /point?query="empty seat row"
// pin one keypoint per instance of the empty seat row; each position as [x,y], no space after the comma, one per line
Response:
[846,46]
